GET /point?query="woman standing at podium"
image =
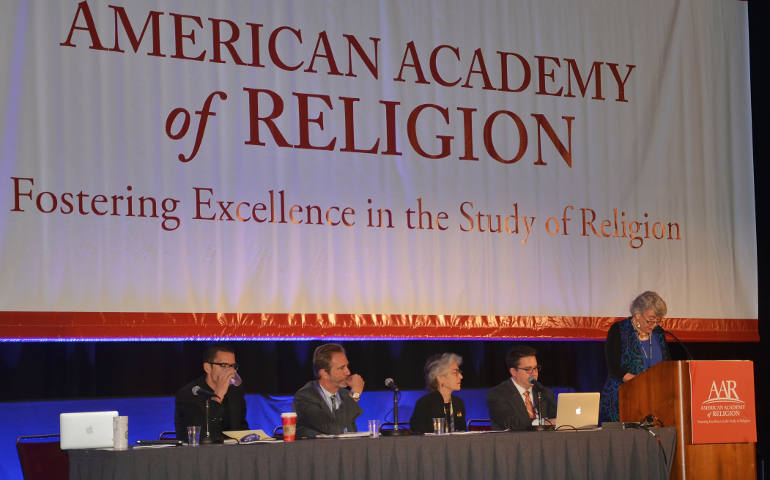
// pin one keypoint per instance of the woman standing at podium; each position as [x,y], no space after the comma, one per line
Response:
[633,345]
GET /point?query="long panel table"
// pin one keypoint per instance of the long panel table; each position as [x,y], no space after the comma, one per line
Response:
[627,454]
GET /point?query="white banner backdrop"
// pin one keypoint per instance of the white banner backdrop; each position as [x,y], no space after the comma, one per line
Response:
[535,158]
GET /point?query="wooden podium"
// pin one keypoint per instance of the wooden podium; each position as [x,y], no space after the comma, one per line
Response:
[664,391]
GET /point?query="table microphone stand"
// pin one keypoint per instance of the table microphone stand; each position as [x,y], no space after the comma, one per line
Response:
[206,434]
[396,432]
[540,427]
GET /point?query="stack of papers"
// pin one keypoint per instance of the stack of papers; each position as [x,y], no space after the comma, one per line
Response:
[344,435]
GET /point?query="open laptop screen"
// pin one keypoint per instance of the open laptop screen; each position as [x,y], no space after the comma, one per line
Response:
[578,410]
[86,429]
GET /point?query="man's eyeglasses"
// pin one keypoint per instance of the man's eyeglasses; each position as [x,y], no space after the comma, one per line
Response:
[529,370]
[234,366]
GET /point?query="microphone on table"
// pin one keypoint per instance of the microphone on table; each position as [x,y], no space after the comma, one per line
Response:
[206,394]
[391,384]
[199,391]
[537,386]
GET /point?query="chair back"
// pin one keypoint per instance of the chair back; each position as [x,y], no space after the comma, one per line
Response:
[479,425]
[42,458]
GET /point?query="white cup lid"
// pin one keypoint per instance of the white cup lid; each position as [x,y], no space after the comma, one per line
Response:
[288,414]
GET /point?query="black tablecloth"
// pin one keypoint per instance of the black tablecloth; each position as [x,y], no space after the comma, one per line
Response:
[625,454]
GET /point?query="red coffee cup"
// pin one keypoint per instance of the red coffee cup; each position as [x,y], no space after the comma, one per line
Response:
[289,420]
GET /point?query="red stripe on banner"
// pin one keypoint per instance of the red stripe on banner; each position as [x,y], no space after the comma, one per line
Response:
[149,325]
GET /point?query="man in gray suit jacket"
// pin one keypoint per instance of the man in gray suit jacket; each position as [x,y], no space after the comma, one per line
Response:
[324,405]
[514,404]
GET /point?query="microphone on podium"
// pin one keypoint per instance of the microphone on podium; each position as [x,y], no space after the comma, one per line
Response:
[666,332]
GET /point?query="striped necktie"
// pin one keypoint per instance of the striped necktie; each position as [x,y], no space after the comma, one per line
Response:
[528,403]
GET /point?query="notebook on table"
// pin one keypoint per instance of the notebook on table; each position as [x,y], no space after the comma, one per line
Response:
[86,429]
[577,410]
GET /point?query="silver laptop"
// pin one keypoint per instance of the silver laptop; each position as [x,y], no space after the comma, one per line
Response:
[86,429]
[578,410]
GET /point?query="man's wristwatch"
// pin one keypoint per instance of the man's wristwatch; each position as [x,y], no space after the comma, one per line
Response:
[356,396]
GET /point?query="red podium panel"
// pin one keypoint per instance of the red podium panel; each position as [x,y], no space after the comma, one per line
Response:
[665,391]
[722,402]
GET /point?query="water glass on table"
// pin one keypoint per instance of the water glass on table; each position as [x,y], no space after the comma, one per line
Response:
[439,425]
[374,428]
[193,435]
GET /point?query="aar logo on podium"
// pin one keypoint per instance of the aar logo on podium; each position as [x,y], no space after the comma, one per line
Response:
[722,401]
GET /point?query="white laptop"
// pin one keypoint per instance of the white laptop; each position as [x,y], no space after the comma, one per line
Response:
[86,429]
[578,410]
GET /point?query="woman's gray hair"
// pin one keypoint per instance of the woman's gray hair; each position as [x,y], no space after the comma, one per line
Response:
[649,301]
[439,365]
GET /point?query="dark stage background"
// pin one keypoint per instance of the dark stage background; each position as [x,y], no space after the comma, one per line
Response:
[41,371]
[51,371]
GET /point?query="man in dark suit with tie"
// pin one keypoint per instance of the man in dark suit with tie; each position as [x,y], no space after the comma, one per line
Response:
[325,405]
[514,403]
